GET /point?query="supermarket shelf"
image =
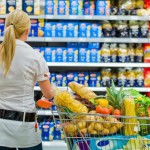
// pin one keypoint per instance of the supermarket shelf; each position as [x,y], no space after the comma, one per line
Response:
[46,112]
[54,145]
[55,64]
[36,39]
[90,17]
[103,89]
[108,40]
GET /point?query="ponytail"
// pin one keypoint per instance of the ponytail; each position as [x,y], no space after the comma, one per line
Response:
[16,24]
[7,49]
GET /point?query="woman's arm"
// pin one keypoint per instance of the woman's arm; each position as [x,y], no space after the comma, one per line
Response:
[46,89]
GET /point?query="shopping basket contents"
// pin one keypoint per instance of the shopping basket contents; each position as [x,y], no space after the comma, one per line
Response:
[118,120]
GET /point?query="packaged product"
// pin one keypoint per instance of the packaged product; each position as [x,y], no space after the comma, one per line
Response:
[139,4]
[52,77]
[83,45]
[147,77]
[114,77]
[41,27]
[11,6]
[113,52]
[49,7]
[61,79]
[107,29]
[61,54]
[3,7]
[95,55]
[139,53]
[134,29]
[84,55]
[89,7]
[61,28]
[105,53]
[96,30]
[122,53]
[72,45]
[63,7]
[122,80]
[113,8]
[49,54]
[114,29]
[142,12]
[31,7]
[139,77]
[72,76]
[2,25]
[84,29]
[130,75]
[42,51]
[106,77]
[72,29]
[146,53]
[95,79]
[74,7]
[144,29]
[122,29]
[83,78]
[34,28]
[72,54]
[94,45]
[42,7]
[131,53]
[50,29]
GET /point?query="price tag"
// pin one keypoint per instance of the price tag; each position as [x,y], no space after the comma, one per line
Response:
[82,40]
[134,18]
[107,40]
[72,17]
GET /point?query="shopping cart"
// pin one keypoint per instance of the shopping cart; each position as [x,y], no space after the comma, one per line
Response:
[103,132]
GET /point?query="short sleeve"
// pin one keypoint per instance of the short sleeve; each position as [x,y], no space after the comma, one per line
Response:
[42,71]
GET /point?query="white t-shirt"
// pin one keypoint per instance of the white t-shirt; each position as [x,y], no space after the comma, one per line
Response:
[17,93]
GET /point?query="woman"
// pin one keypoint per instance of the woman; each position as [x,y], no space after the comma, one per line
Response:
[20,68]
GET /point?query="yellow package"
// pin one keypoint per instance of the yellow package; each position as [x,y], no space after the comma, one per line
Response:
[40,27]
[19,4]
[2,7]
[36,7]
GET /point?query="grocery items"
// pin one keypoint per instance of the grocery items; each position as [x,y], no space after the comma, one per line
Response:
[146,52]
[147,77]
[43,103]
[82,91]
[131,124]
[63,98]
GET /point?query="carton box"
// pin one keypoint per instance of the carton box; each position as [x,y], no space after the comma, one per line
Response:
[96,30]
[2,25]
[93,45]
[83,78]
[61,79]
[72,45]
[10,6]
[72,54]
[2,7]
[72,29]
[34,28]
[72,76]
[84,55]
[50,29]
[49,7]
[76,7]
[49,54]
[95,55]
[61,55]
[95,79]
[84,29]
[82,45]
[61,29]
[40,27]
[63,7]
[19,4]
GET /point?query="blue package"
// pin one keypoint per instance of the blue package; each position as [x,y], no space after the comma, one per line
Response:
[84,29]
[95,55]
[72,44]
[37,49]
[45,132]
[61,79]
[72,76]
[28,6]
[72,29]
[84,55]
[83,78]
[42,51]
[34,28]
[73,7]
[57,131]
[49,7]
[63,7]
[11,6]
[95,79]
[72,55]
[2,25]
[94,45]
[82,44]
[61,29]
[61,55]
[49,54]
[96,30]
[50,29]
[52,77]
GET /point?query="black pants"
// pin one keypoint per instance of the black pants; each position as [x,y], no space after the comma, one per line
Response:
[38,147]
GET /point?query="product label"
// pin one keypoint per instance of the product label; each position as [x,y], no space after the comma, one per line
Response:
[11,6]
[2,7]
[28,6]
[2,25]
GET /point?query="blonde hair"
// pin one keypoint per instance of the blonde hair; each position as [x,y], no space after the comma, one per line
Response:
[16,24]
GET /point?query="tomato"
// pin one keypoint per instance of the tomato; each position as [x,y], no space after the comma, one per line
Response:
[105,111]
[98,109]
[117,112]
[111,109]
